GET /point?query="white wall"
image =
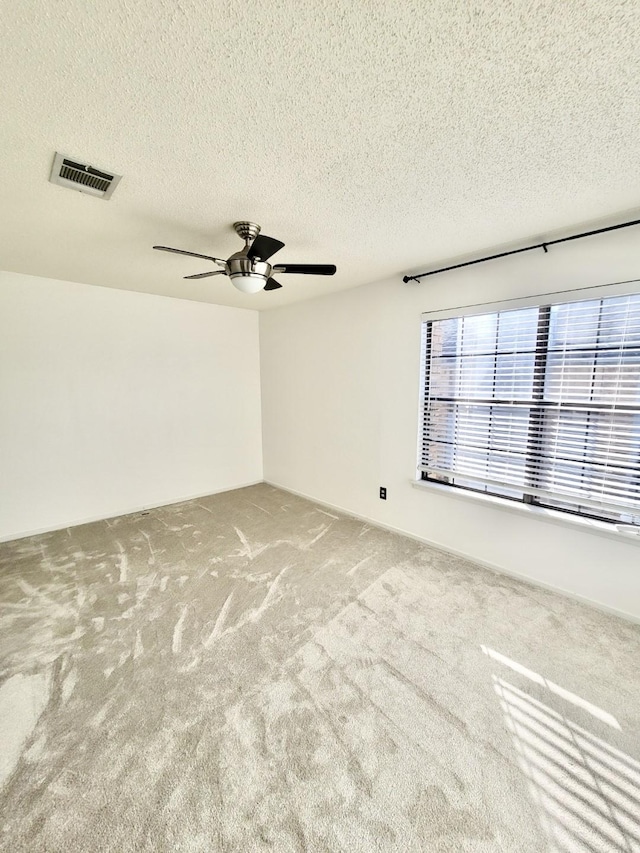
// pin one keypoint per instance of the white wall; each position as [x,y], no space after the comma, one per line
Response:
[112,400]
[340,380]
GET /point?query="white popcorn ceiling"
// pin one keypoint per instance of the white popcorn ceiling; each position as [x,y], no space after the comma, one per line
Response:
[379,136]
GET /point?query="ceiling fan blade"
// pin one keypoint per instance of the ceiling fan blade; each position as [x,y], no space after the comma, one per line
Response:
[263,247]
[206,274]
[307,269]
[191,254]
[272,284]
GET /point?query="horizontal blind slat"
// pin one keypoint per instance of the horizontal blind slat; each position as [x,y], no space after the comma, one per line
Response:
[570,497]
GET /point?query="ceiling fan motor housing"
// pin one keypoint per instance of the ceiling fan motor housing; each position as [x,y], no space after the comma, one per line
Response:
[248,275]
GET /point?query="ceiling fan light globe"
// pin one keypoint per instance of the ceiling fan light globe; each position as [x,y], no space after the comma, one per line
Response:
[248,283]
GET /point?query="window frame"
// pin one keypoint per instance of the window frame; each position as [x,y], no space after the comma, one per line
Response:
[545,504]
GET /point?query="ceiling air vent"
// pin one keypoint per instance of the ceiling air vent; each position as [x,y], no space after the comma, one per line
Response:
[85,179]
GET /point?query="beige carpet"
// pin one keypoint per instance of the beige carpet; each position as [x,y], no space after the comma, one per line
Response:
[249,672]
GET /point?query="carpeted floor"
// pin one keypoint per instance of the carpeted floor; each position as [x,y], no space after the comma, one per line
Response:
[250,672]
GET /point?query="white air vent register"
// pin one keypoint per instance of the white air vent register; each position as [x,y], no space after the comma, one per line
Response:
[84,179]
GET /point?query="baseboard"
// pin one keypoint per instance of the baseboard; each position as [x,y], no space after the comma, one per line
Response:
[129,511]
[493,567]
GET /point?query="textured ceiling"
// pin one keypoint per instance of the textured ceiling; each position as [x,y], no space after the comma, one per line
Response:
[380,136]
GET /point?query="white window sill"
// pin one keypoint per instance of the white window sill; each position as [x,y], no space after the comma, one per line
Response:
[592,525]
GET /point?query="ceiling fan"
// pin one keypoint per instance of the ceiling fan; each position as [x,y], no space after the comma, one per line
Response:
[249,269]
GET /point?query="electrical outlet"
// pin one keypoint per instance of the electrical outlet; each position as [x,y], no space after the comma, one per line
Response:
[383,493]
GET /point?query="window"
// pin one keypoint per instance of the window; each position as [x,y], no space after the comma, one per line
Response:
[538,404]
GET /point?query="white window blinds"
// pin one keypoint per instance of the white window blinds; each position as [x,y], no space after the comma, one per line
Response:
[539,404]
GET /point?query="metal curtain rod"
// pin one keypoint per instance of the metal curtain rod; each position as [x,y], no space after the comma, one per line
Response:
[544,245]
